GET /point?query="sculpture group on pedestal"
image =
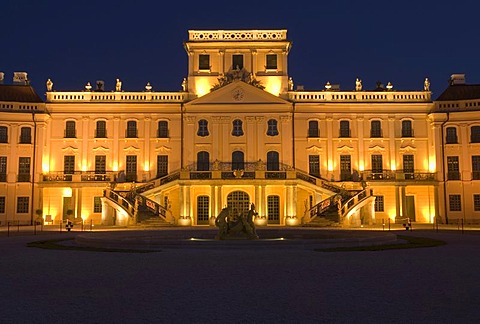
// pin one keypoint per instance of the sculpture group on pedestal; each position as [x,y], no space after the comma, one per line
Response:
[235,224]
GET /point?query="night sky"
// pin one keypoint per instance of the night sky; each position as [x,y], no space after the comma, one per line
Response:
[403,42]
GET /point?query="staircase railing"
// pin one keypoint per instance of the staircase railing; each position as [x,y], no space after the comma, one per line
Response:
[352,202]
[321,207]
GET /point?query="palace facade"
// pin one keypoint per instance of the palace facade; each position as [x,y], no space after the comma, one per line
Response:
[239,132]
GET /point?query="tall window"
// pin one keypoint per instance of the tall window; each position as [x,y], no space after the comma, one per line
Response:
[407,130]
[271,62]
[203,161]
[162,129]
[204,62]
[23,169]
[379,204]
[100,164]
[314,165]
[313,130]
[408,166]
[3,134]
[203,128]
[375,128]
[377,163]
[25,135]
[273,209]
[344,128]
[97,204]
[131,168]
[203,207]
[272,127]
[69,164]
[131,129]
[22,205]
[238,162]
[101,130]
[237,129]
[237,61]
[455,202]
[453,168]
[273,163]
[476,167]
[162,165]
[451,135]
[476,202]
[2,204]
[3,169]
[475,134]
[345,167]
[70,130]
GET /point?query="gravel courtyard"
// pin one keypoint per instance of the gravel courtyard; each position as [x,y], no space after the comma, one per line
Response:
[274,285]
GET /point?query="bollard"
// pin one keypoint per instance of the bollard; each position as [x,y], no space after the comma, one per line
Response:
[35,228]
[8,228]
[60,226]
[383,224]
[389,224]
[18,226]
[91,224]
[462,225]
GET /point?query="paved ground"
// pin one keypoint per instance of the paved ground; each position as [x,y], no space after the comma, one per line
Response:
[429,285]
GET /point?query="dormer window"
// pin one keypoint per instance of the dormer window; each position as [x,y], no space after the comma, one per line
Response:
[204,62]
[271,60]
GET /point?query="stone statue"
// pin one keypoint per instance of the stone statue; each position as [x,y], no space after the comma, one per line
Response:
[184,85]
[118,85]
[358,85]
[426,85]
[49,85]
[290,84]
[235,224]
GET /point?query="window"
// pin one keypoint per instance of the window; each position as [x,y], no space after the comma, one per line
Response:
[204,62]
[162,165]
[203,161]
[202,128]
[69,164]
[101,130]
[313,130]
[455,202]
[238,162]
[476,167]
[344,128]
[273,163]
[203,207]
[70,131]
[271,62]
[237,61]
[23,169]
[131,168]
[408,166]
[314,165]
[377,163]
[131,129]
[451,135]
[273,209]
[3,134]
[475,134]
[407,130]
[379,204]
[2,204]
[476,202]
[25,135]
[3,169]
[162,129]
[22,205]
[375,128]
[272,127]
[100,164]
[97,204]
[453,168]
[345,167]
[237,129]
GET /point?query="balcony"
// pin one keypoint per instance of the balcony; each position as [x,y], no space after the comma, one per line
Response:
[78,176]
[387,175]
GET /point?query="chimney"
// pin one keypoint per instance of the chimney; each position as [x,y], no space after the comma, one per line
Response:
[457,79]
[20,78]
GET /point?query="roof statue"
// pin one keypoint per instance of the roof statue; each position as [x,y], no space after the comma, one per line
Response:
[389,86]
[118,85]
[49,85]
[290,84]
[184,85]
[88,86]
[148,87]
[426,85]
[358,85]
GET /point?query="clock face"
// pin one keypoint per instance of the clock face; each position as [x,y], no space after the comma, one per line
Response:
[237,94]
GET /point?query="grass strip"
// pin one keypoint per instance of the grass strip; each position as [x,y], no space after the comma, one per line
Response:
[56,245]
[412,242]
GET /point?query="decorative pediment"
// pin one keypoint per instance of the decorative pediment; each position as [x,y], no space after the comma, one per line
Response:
[163,149]
[131,149]
[70,150]
[407,149]
[376,148]
[345,149]
[100,149]
[237,92]
[314,149]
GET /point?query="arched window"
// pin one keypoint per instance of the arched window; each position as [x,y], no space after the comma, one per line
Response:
[131,129]
[313,130]
[202,128]
[162,129]
[237,129]
[273,163]
[272,127]
[203,161]
[238,201]
[238,162]
[101,130]
[70,131]
[475,134]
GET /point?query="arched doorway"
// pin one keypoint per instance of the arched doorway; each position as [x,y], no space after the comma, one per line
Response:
[238,200]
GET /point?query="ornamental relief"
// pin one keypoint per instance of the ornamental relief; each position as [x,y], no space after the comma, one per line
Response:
[70,150]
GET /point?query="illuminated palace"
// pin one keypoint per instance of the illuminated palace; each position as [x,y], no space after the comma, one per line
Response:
[239,132]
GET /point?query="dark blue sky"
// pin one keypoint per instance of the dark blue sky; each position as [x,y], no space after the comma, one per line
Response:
[403,42]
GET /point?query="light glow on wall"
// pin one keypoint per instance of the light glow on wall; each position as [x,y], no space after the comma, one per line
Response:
[361,166]
[115,166]
[432,165]
[67,192]
[273,86]
[202,86]
[393,166]
[146,167]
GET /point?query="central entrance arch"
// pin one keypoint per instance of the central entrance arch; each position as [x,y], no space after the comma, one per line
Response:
[238,200]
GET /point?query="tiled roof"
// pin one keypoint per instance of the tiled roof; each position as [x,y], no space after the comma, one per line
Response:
[18,93]
[460,92]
